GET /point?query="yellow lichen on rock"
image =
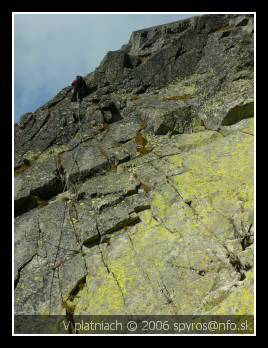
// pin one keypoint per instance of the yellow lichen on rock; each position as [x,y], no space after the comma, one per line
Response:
[177,259]
[100,295]
[240,300]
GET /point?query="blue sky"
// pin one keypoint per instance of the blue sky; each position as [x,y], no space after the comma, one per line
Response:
[51,49]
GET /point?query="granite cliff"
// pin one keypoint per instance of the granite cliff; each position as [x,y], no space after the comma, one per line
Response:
[139,200]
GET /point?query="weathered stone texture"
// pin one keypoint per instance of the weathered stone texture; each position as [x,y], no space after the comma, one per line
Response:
[140,200]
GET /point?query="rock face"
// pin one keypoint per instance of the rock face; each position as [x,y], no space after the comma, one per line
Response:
[140,199]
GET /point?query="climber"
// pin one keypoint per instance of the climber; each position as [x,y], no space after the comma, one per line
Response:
[79,88]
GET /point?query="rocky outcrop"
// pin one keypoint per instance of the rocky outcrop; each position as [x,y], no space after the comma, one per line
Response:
[140,199]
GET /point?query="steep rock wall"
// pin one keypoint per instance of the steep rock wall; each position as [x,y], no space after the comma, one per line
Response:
[140,199]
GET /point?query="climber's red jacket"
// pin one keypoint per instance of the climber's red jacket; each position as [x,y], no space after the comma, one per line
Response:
[74,83]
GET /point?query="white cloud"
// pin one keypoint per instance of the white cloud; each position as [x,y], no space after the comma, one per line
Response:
[51,49]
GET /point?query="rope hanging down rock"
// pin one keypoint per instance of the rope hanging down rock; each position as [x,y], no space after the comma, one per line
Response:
[56,262]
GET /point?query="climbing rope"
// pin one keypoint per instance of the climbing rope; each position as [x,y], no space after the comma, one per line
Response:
[77,147]
[66,186]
